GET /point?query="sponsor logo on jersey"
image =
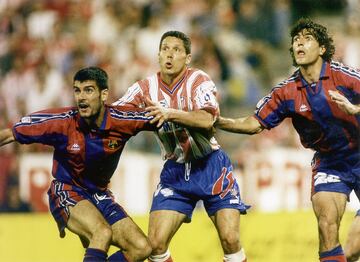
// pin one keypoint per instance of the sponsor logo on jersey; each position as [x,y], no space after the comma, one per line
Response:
[167,192]
[163,103]
[26,120]
[99,198]
[75,147]
[303,108]
[323,178]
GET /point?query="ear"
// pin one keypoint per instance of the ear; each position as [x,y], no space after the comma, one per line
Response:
[104,95]
[188,59]
[322,50]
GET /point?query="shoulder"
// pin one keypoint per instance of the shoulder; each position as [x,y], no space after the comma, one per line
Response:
[197,73]
[338,68]
[198,78]
[288,85]
[55,113]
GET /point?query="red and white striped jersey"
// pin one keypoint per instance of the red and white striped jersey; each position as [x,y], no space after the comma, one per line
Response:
[193,91]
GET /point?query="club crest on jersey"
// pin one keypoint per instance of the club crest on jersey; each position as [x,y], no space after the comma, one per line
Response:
[113,144]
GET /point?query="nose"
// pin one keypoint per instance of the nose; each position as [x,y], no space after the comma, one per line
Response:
[80,96]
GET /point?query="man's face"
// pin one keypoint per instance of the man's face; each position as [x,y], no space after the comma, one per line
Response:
[88,98]
[306,48]
[172,56]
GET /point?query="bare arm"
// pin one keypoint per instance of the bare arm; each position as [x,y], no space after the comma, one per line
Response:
[344,104]
[194,119]
[6,136]
[245,125]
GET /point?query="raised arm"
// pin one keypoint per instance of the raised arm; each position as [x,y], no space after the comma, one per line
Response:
[244,125]
[344,104]
[6,136]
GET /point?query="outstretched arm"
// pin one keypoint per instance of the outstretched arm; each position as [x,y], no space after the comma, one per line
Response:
[194,119]
[245,125]
[344,104]
[6,136]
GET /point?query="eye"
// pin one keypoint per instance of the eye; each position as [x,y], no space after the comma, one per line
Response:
[89,91]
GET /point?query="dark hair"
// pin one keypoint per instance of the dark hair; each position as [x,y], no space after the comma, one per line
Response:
[319,32]
[186,40]
[93,73]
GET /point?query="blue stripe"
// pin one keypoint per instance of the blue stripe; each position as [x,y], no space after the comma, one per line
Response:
[129,115]
[40,118]
[178,84]
[336,66]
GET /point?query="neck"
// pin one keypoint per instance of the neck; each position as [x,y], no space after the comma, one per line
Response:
[96,119]
[311,73]
[171,79]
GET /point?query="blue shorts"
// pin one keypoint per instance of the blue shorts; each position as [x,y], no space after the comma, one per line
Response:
[62,195]
[336,173]
[209,179]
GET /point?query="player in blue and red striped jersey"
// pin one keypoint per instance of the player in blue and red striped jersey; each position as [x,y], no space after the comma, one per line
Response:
[322,126]
[88,141]
[183,102]
[352,247]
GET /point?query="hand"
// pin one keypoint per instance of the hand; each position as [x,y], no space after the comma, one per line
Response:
[160,114]
[343,103]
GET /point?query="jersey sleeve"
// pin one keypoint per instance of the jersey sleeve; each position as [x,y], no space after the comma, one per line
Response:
[204,95]
[348,83]
[44,127]
[130,120]
[272,109]
[133,97]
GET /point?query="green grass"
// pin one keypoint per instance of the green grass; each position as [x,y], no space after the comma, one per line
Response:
[267,237]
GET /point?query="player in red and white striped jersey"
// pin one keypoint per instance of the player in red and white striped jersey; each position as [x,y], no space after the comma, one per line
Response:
[183,102]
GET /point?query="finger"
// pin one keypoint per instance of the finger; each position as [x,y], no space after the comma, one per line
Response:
[160,123]
[151,108]
[154,120]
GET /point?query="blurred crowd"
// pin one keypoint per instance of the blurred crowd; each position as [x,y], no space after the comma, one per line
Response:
[242,44]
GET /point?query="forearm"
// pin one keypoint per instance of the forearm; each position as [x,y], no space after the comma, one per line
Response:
[6,136]
[245,125]
[195,119]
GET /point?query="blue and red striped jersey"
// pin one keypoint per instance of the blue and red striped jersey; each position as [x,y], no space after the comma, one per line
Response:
[84,155]
[320,123]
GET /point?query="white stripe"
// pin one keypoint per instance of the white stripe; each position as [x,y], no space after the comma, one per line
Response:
[350,71]
[153,87]
[129,95]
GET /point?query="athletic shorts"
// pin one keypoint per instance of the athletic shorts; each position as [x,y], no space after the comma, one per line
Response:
[209,179]
[336,173]
[62,196]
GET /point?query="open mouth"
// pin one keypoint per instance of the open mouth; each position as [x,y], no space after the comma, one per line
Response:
[300,53]
[168,65]
[83,106]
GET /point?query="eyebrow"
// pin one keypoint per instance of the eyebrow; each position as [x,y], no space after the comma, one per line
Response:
[75,86]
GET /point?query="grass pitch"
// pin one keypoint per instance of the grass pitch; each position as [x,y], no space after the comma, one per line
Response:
[267,237]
